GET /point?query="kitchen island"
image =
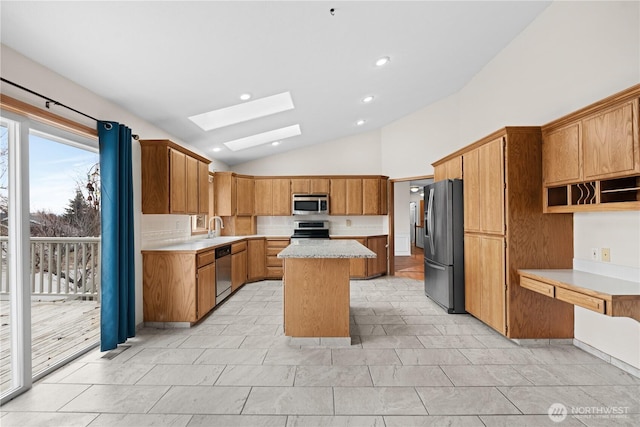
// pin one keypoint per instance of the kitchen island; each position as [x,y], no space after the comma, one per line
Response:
[316,287]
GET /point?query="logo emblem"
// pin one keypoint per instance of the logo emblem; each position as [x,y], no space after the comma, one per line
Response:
[557,412]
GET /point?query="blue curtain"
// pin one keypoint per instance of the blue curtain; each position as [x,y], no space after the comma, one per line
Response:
[117,279]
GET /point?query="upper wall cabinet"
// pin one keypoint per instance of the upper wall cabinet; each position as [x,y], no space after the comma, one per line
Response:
[591,158]
[234,194]
[310,186]
[358,196]
[272,196]
[448,168]
[174,179]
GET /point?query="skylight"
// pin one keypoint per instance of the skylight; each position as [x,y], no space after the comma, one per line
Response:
[243,112]
[263,138]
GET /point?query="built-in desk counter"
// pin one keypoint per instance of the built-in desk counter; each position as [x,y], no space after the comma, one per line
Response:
[316,287]
[605,295]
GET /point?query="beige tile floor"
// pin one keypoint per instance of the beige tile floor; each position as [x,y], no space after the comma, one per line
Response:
[410,364]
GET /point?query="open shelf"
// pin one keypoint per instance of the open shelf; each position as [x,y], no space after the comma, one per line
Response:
[603,195]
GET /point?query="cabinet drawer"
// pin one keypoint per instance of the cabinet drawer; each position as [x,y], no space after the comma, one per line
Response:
[238,247]
[277,243]
[273,252]
[273,261]
[205,258]
[274,272]
[576,298]
[537,286]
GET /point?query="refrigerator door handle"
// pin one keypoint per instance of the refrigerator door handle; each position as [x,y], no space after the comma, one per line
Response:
[436,266]
[430,220]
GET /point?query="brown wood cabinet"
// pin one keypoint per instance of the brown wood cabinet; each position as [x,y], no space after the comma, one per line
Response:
[272,196]
[234,194]
[172,179]
[591,158]
[354,196]
[263,189]
[238,264]
[256,259]
[377,266]
[448,169]
[363,268]
[358,196]
[338,196]
[505,229]
[310,186]
[274,264]
[177,286]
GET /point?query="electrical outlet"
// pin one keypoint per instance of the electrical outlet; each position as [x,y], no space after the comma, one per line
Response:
[606,255]
[348,223]
[594,254]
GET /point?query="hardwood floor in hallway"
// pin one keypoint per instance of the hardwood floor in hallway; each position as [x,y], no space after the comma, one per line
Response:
[411,266]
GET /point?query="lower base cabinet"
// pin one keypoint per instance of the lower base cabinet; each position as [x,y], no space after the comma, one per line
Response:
[238,265]
[256,259]
[178,287]
[363,268]
[274,264]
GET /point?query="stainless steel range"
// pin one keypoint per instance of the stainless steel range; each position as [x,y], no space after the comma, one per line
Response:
[310,230]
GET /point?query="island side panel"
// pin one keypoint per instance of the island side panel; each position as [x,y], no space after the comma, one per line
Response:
[316,297]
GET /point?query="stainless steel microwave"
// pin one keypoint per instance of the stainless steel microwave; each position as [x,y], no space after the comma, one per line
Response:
[308,204]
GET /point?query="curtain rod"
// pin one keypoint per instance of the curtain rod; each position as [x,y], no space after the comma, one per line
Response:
[49,101]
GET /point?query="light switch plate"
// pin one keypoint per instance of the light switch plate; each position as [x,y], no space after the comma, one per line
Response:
[606,255]
[594,254]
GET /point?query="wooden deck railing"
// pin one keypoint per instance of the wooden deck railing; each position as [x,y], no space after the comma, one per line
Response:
[60,266]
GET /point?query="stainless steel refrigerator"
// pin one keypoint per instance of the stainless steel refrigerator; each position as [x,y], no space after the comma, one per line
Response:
[444,244]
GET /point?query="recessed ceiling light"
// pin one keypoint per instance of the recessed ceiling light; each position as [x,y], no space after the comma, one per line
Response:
[382,61]
[275,143]
[245,96]
[360,122]
[263,138]
[217,149]
[242,112]
[367,99]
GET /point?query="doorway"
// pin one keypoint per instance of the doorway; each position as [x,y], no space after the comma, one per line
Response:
[406,226]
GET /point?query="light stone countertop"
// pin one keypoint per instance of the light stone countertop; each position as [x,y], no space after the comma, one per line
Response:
[324,248]
[587,281]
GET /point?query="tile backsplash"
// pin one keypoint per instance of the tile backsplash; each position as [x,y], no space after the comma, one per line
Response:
[338,225]
[160,230]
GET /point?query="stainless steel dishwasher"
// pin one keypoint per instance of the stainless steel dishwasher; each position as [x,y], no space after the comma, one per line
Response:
[223,273]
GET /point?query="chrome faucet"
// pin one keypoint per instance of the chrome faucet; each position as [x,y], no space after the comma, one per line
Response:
[211,231]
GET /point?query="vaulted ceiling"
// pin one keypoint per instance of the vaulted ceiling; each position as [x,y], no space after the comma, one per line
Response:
[167,61]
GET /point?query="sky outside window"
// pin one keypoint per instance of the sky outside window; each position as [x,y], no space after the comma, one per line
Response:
[55,171]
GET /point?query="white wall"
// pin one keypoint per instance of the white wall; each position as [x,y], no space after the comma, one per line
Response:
[402,231]
[19,69]
[359,154]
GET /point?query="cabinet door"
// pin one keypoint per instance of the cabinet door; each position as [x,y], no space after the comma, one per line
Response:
[206,289]
[354,196]
[492,187]
[561,155]
[281,201]
[256,259]
[225,193]
[238,270]
[244,196]
[203,188]
[357,266]
[263,197]
[192,185]
[471,189]
[338,197]
[177,182]
[319,186]
[492,271]
[384,203]
[472,274]
[377,266]
[454,168]
[610,144]
[370,196]
[300,186]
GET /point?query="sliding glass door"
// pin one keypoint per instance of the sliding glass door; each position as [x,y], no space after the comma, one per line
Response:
[49,249]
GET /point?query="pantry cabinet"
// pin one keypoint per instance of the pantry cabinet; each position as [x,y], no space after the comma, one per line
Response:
[505,229]
[174,180]
[591,158]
